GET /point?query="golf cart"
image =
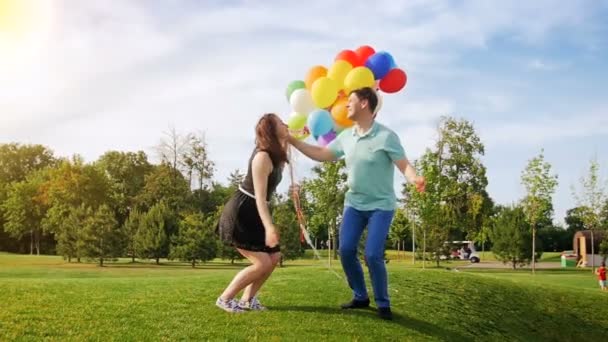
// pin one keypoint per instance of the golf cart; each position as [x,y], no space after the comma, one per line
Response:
[461,250]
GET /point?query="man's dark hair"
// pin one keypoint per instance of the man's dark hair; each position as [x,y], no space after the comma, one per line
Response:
[368,94]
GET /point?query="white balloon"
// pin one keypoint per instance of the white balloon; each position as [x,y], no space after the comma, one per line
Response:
[301,101]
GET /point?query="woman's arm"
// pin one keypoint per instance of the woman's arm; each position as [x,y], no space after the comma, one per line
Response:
[261,169]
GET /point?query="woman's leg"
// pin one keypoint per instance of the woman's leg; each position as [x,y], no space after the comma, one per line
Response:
[252,289]
[261,265]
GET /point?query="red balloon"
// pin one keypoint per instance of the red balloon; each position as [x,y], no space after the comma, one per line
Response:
[393,81]
[363,52]
[350,56]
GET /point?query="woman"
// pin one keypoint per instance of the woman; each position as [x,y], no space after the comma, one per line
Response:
[246,222]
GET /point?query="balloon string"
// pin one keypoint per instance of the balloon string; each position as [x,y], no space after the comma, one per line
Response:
[304,234]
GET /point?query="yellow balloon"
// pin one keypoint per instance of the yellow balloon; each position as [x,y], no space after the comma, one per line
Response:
[324,92]
[358,78]
[338,72]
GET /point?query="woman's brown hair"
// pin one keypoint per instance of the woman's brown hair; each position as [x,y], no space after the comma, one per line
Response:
[267,138]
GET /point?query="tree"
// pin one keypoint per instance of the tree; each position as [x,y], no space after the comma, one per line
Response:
[455,202]
[591,196]
[540,185]
[17,162]
[131,227]
[69,226]
[327,191]
[235,179]
[574,219]
[165,184]
[195,240]
[554,238]
[510,236]
[25,208]
[197,157]
[72,185]
[400,229]
[172,147]
[286,221]
[151,240]
[102,235]
[126,173]
[208,200]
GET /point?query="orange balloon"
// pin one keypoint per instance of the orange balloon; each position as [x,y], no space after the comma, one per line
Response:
[339,111]
[314,73]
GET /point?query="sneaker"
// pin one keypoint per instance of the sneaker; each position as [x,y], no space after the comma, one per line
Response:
[356,304]
[229,305]
[385,313]
[253,304]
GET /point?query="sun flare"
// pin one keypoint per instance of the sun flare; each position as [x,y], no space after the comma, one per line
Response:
[24,28]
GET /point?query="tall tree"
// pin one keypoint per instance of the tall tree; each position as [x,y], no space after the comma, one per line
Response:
[540,185]
[102,235]
[25,208]
[592,195]
[574,219]
[131,226]
[172,147]
[165,184]
[455,202]
[235,179]
[285,218]
[17,162]
[209,199]
[196,159]
[151,240]
[69,223]
[71,185]
[327,191]
[510,236]
[126,172]
[400,229]
[195,240]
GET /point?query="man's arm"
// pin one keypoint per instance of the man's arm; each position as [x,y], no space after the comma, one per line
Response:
[410,174]
[317,153]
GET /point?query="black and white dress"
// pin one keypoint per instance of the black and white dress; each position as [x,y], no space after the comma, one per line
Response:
[240,224]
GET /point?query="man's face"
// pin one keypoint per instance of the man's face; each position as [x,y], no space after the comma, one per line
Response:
[354,106]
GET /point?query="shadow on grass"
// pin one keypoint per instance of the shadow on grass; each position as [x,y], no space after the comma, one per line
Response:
[408,322]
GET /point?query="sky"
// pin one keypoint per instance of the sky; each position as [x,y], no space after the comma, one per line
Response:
[86,77]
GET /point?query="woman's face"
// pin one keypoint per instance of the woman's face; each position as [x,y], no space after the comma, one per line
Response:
[282,131]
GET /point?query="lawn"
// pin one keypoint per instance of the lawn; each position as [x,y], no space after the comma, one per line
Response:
[46,298]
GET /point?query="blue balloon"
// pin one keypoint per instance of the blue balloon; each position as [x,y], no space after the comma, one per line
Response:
[320,122]
[380,64]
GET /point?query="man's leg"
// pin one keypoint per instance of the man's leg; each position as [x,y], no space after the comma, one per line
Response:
[353,223]
[379,224]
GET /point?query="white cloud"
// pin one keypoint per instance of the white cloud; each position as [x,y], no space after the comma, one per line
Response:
[534,132]
[115,74]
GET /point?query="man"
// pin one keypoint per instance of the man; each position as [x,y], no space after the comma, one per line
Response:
[371,151]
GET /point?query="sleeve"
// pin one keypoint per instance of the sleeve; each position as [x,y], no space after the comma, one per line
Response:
[393,147]
[335,146]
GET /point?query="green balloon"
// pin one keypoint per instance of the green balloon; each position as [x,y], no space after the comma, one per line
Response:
[293,86]
[297,121]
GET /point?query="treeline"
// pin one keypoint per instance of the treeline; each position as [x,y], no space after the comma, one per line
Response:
[122,205]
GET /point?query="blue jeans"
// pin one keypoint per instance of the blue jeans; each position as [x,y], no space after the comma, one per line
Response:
[378,223]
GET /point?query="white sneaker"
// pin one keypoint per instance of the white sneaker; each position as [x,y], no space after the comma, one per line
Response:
[253,304]
[229,305]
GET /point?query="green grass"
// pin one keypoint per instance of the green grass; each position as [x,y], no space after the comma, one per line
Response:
[46,298]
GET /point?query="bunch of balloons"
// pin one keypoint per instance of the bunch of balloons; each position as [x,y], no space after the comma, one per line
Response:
[319,102]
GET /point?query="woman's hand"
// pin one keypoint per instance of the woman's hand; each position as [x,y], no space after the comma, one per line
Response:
[272,237]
